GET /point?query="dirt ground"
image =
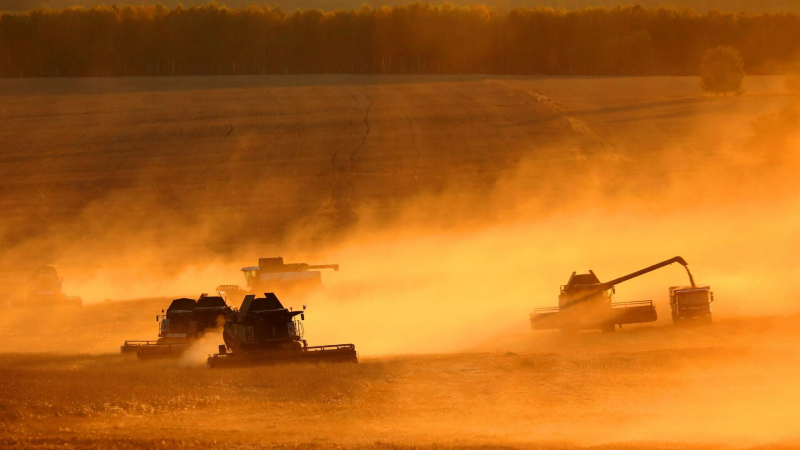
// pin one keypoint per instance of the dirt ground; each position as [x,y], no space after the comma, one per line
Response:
[455,205]
[732,385]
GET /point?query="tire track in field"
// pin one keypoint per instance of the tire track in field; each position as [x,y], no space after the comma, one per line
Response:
[478,127]
[401,155]
[579,126]
[346,169]
[335,156]
[576,124]
[415,169]
[489,163]
[357,149]
[342,194]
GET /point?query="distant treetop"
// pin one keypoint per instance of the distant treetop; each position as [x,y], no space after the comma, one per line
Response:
[415,38]
[747,6]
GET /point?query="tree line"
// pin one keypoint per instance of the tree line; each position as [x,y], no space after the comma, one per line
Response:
[410,39]
[749,6]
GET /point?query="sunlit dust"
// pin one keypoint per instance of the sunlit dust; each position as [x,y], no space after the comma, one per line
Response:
[450,223]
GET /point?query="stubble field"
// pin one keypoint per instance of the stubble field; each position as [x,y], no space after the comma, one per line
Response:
[455,206]
[732,385]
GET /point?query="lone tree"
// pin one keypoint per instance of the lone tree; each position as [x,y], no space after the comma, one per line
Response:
[722,71]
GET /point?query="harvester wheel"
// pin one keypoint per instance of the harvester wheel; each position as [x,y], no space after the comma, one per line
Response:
[608,328]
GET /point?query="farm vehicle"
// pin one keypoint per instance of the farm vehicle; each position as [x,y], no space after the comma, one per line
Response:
[690,304]
[43,288]
[273,275]
[263,331]
[585,303]
[185,321]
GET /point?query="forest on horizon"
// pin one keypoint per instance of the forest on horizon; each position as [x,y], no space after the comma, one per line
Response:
[416,38]
[749,6]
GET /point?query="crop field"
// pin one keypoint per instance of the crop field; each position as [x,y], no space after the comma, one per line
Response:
[455,205]
[257,155]
[97,168]
[732,385]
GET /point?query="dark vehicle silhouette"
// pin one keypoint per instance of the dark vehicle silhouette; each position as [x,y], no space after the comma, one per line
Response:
[185,321]
[690,304]
[264,331]
[44,289]
[273,275]
[585,303]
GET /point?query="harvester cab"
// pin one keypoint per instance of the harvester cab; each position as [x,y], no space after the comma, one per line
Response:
[263,324]
[210,313]
[585,303]
[583,288]
[178,322]
[264,331]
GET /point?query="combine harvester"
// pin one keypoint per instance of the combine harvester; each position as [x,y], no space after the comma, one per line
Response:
[585,303]
[263,331]
[273,275]
[44,290]
[185,321]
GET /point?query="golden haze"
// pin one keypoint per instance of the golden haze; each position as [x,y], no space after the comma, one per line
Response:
[450,223]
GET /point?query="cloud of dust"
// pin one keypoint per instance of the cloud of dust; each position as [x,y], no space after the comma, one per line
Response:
[426,287]
[458,267]
[198,352]
[455,269]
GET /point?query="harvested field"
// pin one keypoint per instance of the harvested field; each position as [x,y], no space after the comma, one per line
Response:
[197,165]
[455,205]
[732,385]
[263,156]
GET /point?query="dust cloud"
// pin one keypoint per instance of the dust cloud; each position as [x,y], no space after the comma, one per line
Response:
[452,274]
[444,271]
[198,352]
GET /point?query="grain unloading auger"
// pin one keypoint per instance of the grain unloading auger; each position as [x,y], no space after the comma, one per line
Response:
[264,332]
[585,303]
